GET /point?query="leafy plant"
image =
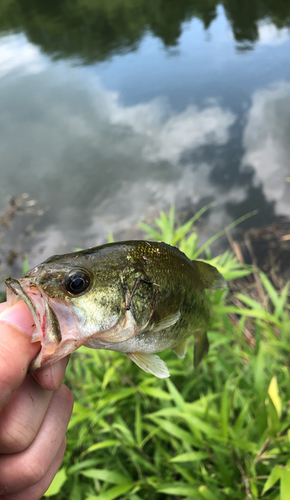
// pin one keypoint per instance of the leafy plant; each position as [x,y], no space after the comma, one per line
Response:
[221,432]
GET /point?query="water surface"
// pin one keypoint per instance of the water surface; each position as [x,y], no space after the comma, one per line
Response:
[111,111]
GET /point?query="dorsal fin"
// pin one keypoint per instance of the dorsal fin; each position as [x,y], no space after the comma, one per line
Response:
[210,276]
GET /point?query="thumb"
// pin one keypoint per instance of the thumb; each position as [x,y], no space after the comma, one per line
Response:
[16,349]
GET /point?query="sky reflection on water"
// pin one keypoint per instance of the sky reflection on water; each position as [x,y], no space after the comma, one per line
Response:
[108,143]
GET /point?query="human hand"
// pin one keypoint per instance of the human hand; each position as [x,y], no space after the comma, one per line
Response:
[34,410]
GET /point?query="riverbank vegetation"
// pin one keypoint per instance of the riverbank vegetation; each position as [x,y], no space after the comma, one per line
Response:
[220,432]
[96,31]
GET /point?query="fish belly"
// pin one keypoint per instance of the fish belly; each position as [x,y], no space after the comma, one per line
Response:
[146,342]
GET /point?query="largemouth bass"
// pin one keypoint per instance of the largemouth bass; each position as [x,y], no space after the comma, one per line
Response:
[134,297]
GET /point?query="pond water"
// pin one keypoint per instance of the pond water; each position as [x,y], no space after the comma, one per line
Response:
[111,111]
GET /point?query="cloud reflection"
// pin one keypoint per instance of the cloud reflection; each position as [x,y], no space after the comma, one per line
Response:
[164,138]
[266,142]
[138,170]
[171,134]
[269,34]
[16,54]
[98,164]
[101,165]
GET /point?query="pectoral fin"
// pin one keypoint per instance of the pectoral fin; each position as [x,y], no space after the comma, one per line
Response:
[165,322]
[180,349]
[123,330]
[167,313]
[201,347]
[150,363]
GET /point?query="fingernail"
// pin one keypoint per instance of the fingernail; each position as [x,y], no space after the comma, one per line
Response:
[50,377]
[58,370]
[19,317]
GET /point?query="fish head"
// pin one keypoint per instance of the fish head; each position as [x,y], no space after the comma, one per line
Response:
[72,299]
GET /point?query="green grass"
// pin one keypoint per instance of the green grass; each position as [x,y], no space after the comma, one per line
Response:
[221,432]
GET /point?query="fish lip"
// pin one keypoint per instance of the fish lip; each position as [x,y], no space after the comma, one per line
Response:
[16,288]
[42,319]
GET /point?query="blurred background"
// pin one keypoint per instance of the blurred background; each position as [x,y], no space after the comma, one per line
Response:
[111,111]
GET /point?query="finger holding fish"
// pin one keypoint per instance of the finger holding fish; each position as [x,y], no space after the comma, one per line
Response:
[16,349]
[22,470]
[29,412]
[36,491]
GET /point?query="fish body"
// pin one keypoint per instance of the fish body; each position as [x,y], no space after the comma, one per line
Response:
[134,297]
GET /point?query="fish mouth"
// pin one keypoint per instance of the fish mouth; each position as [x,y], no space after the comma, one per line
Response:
[15,292]
[47,326]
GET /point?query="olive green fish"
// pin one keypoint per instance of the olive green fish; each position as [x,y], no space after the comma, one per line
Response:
[134,297]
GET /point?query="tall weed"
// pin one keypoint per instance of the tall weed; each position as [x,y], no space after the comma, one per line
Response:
[221,432]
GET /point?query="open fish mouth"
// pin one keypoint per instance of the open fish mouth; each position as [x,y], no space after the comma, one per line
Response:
[15,293]
[47,326]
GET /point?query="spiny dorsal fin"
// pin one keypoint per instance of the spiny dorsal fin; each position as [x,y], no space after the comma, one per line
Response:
[180,349]
[150,363]
[201,347]
[210,276]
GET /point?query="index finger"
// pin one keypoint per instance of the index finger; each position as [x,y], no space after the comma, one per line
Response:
[16,349]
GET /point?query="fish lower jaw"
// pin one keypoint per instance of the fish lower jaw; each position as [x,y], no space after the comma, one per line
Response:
[17,290]
[49,355]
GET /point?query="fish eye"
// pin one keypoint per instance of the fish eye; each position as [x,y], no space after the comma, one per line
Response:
[77,282]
